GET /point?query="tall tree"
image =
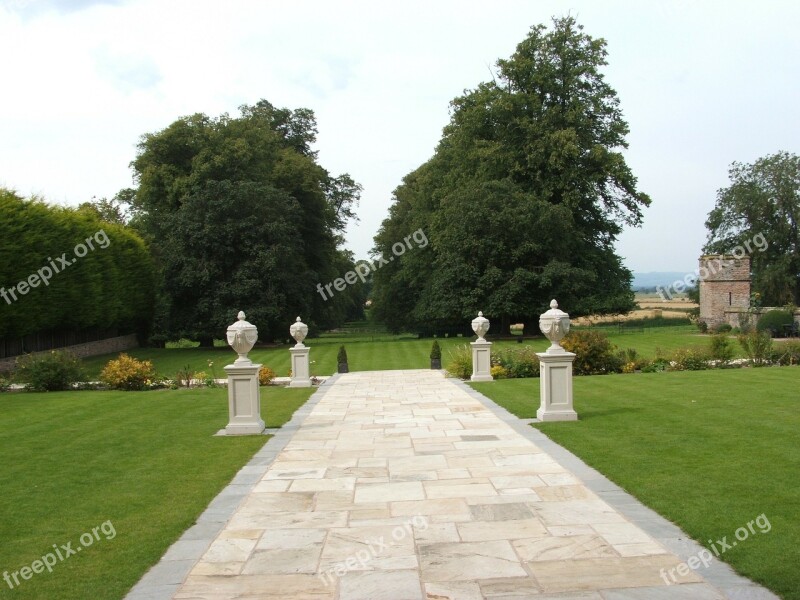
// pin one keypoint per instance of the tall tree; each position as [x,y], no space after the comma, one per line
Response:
[240,215]
[758,214]
[524,197]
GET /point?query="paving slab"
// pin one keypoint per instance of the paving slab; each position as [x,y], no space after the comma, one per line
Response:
[407,484]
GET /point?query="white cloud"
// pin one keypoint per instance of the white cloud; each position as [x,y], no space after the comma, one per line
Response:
[700,87]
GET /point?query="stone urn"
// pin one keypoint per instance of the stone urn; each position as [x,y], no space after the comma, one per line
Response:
[299,331]
[480,325]
[242,336]
[554,325]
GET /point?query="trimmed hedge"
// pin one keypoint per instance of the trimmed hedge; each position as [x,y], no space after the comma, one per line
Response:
[774,320]
[109,285]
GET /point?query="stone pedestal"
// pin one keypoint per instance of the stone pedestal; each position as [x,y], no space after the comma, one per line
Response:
[244,400]
[481,361]
[300,370]
[555,386]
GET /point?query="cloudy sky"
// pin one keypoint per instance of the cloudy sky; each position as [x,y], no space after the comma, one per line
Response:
[701,84]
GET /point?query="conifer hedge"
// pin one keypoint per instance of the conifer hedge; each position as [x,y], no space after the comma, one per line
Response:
[110,287]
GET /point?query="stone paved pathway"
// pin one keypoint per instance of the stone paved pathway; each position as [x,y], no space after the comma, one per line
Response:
[406,485]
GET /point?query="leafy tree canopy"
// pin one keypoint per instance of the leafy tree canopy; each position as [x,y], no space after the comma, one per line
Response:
[241,216]
[758,214]
[523,199]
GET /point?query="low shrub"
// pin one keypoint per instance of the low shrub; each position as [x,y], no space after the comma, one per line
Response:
[460,362]
[436,351]
[757,345]
[5,384]
[341,357]
[722,328]
[498,372]
[787,354]
[184,343]
[128,373]
[689,359]
[629,367]
[595,354]
[517,362]
[774,321]
[702,326]
[49,372]
[657,365]
[721,348]
[631,361]
[265,375]
[185,376]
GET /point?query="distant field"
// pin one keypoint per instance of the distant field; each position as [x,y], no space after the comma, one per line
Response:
[649,307]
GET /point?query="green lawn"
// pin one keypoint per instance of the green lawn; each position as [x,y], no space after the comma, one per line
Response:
[708,450]
[145,461]
[373,352]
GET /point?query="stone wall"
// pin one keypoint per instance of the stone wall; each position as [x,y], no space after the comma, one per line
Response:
[738,317]
[107,346]
[724,288]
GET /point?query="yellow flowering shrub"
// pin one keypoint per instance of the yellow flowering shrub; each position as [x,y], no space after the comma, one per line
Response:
[499,372]
[265,375]
[128,373]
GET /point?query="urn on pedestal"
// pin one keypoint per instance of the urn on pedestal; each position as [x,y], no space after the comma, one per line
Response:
[244,399]
[481,350]
[555,367]
[299,354]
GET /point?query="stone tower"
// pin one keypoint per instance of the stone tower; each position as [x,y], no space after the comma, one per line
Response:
[724,288]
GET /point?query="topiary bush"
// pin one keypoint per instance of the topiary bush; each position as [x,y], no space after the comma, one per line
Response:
[460,362]
[774,320]
[265,375]
[595,354]
[436,351]
[49,372]
[128,373]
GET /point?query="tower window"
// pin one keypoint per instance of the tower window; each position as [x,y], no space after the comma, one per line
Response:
[730,298]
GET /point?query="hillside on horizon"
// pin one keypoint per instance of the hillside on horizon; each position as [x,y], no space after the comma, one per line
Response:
[654,278]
